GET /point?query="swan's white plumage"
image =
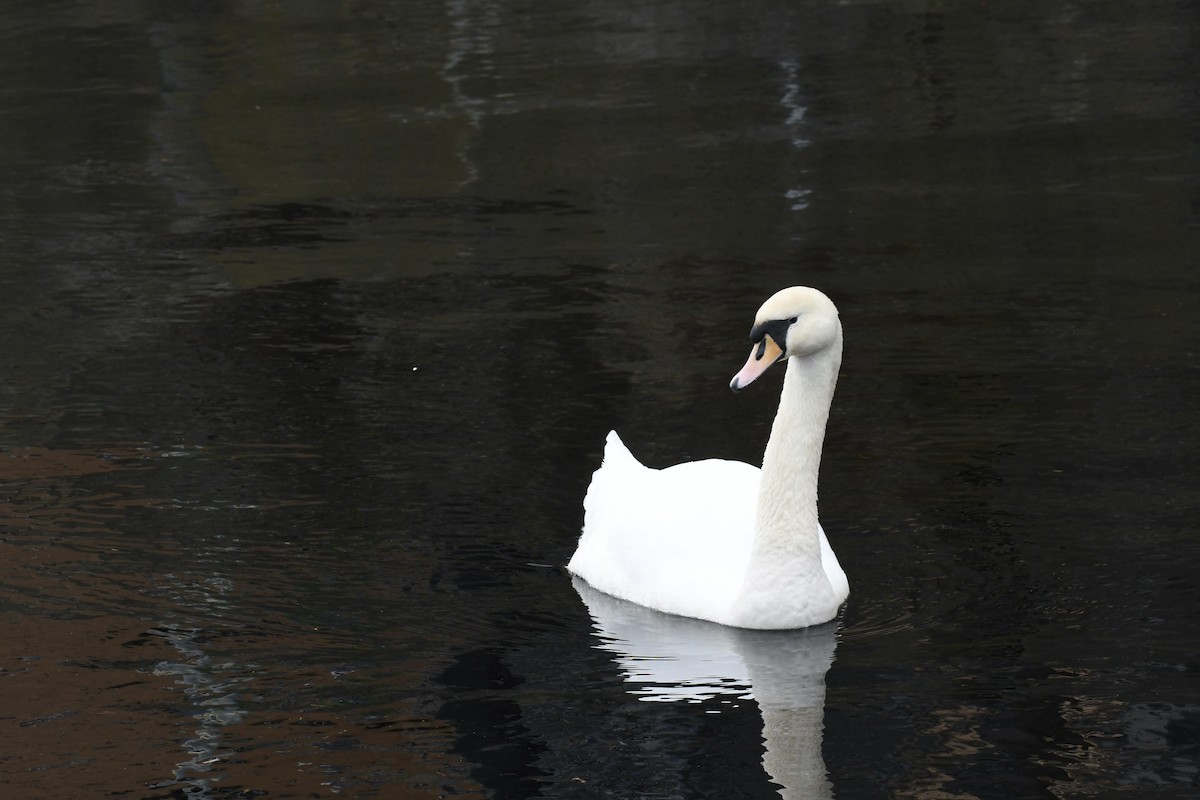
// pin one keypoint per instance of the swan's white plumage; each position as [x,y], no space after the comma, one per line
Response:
[714,539]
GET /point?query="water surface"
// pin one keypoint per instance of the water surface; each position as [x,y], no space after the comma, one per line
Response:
[316,317]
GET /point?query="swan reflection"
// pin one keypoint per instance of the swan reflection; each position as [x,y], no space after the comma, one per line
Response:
[668,658]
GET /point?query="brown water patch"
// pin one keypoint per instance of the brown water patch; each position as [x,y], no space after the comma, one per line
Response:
[25,463]
[82,712]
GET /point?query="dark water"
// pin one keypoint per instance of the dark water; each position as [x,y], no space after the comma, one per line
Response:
[315,316]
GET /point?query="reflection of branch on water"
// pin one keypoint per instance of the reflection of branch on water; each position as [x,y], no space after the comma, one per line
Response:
[211,694]
[668,658]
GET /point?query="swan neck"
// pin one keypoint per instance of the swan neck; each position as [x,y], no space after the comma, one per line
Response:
[787,513]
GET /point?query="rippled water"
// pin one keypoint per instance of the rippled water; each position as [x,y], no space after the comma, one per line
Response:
[316,316]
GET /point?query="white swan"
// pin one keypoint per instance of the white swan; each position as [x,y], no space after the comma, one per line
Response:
[720,540]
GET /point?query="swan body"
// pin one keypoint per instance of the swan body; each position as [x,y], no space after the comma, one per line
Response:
[722,540]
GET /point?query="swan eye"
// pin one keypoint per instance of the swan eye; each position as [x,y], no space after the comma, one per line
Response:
[792,321]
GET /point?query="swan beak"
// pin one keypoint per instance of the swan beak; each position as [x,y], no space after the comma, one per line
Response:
[763,355]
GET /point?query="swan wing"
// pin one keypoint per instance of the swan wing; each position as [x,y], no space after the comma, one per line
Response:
[833,570]
[677,539]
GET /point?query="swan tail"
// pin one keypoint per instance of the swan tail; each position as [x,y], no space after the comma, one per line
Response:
[617,460]
[602,503]
[615,450]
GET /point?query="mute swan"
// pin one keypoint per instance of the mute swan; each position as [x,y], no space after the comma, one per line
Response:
[720,540]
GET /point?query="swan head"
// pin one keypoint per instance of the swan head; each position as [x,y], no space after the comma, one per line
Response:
[793,323]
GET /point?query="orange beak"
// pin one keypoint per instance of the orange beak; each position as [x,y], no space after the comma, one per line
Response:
[763,355]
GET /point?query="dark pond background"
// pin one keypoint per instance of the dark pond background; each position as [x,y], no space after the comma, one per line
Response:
[315,316]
